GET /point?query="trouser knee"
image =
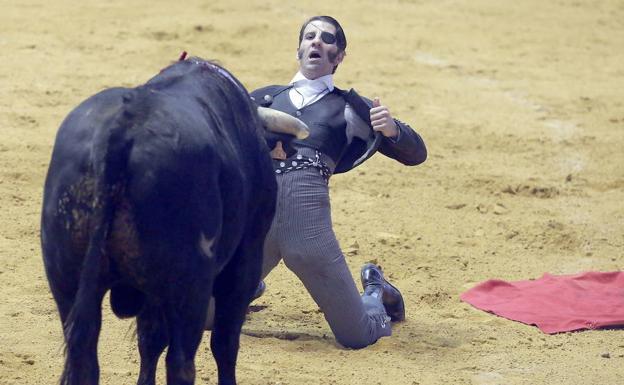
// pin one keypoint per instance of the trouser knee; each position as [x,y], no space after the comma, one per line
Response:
[353,341]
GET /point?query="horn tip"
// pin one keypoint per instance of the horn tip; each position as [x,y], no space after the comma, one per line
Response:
[302,134]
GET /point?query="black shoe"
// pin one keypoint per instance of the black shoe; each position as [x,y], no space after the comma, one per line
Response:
[259,291]
[373,280]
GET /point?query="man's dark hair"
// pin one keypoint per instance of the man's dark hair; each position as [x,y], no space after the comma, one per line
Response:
[341,39]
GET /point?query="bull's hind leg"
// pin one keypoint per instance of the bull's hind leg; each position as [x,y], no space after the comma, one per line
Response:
[233,291]
[186,316]
[81,330]
[152,338]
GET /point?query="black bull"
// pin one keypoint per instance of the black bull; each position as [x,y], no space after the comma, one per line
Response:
[163,194]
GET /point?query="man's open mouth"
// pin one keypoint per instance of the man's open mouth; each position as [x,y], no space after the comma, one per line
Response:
[315,55]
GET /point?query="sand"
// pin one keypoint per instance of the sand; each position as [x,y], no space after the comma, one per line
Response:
[521,104]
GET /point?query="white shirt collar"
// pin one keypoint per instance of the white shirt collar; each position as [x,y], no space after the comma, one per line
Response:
[318,84]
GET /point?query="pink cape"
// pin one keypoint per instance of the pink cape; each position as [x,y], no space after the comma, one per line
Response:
[555,303]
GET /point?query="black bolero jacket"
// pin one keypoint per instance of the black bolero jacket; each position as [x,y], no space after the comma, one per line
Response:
[409,149]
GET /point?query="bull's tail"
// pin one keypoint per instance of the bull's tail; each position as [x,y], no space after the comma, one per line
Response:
[109,159]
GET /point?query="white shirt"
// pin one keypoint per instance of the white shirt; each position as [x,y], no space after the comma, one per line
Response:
[306,91]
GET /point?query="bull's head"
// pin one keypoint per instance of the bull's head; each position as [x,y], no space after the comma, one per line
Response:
[273,120]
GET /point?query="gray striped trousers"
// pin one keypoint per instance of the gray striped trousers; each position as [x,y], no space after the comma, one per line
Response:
[302,235]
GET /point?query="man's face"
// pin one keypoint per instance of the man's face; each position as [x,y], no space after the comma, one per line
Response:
[316,56]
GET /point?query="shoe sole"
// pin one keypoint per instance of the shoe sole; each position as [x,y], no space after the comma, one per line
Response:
[401,310]
[401,305]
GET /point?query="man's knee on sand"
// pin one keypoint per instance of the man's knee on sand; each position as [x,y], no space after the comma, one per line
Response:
[358,339]
[372,326]
[353,343]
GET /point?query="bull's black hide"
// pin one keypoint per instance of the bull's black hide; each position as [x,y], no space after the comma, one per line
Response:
[163,194]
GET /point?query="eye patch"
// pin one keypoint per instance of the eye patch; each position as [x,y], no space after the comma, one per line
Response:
[328,38]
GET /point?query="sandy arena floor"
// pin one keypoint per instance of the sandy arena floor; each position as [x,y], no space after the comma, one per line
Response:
[521,104]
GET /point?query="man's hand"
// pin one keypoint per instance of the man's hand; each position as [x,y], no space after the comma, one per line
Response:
[280,145]
[382,121]
[278,151]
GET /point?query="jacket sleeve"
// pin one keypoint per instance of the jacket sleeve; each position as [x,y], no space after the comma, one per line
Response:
[409,149]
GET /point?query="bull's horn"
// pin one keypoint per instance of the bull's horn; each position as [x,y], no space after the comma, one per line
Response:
[283,123]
